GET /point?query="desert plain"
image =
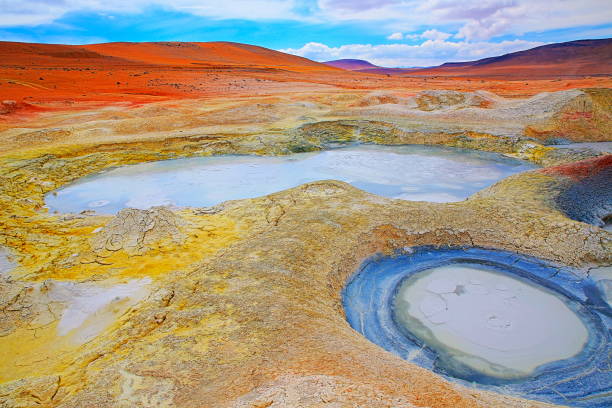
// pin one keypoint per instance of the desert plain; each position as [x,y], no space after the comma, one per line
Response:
[240,304]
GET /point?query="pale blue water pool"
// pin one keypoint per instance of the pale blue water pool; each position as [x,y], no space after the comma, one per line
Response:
[409,172]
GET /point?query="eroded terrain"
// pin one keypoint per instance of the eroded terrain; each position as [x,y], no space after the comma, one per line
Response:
[240,304]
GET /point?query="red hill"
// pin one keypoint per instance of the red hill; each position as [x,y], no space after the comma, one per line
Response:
[176,54]
[206,53]
[143,72]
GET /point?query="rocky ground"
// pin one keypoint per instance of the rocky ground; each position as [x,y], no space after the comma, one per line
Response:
[239,304]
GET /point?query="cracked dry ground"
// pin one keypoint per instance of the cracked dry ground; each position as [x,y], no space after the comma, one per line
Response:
[239,304]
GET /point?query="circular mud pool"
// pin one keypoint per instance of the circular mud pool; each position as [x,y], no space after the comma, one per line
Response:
[494,319]
[419,173]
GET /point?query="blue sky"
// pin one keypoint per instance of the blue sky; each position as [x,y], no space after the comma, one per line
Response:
[386,32]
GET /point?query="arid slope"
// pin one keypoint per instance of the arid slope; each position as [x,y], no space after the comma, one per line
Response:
[207,54]
[574,58]
[40,77]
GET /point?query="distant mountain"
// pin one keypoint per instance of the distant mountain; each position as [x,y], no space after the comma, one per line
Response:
[351,64]
[176,54]
[387,71]
[574,58]
[366,67]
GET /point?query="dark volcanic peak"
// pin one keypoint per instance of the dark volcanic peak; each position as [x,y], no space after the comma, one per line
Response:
[351,64]
[581,57]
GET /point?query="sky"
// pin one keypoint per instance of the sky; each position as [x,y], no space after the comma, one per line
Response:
[392,33]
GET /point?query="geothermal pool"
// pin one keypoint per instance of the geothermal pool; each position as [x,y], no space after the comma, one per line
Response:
[604,147]
[492,319]
[493,323]
[418,173]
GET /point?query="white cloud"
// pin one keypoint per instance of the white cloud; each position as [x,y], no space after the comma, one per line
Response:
[35,12]
[360,10]
[472,20]
[356,5]
[429,53]
[412,36]
[434,34]
[237,9]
